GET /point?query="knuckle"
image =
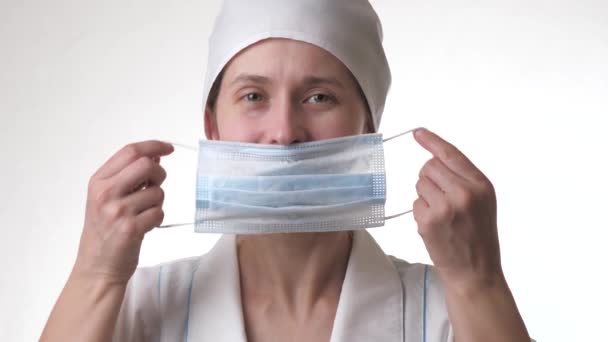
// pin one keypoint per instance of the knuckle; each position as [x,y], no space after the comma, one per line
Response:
[157,193]
[424,222]
[128,228]
[418,208]
[425,226]
[419,185]
[422,230]
[444,212]
[451,153]
[146,163]
[427,167]
[100,194]
[131,151]
[443,154]
[434,162]
[431,165]
[487,187]
[160,216]
[115,211]
[157,215]
[161,195]
[163,174]
[417,204]
[465,198]
[92,184]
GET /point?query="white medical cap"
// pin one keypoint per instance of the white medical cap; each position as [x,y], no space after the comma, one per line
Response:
[348,29]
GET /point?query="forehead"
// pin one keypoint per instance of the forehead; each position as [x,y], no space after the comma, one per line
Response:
[279,57]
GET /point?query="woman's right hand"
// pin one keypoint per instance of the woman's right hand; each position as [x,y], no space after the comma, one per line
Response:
[124,202]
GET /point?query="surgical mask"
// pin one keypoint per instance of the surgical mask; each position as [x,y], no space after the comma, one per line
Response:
[318,186]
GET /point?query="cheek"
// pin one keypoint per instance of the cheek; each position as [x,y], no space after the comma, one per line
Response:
[230,125]
[339,124]
[233,128]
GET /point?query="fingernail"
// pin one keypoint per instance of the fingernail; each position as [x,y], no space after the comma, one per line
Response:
[419,131]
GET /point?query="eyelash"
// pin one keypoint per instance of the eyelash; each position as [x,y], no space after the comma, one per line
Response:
[327,97]
[246,97]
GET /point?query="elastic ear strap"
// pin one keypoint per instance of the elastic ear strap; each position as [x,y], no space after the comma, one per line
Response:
[188,147]
[400,134]
[175,225]
[397,215]
[385,140]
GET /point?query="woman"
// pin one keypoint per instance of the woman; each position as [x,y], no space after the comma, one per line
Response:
[283,73]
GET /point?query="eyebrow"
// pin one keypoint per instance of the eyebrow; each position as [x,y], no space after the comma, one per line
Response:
[250,78]
[308,80]
[315,80]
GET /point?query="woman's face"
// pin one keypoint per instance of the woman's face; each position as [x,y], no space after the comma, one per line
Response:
[281,91]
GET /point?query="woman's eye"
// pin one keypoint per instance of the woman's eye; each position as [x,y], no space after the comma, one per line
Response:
[253,97]
[319,98]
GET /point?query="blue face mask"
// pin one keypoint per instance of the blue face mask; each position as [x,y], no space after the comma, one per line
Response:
[319,186]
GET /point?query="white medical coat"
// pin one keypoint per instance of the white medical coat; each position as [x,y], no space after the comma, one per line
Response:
[198,299]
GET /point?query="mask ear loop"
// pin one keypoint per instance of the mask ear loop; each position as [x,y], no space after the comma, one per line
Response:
[397,215]
[187,147]
[175,225]
[400,134]
[385,140]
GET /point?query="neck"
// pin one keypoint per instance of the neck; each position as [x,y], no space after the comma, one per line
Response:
[289,269]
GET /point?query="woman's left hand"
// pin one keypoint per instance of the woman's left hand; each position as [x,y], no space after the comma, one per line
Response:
[456,216]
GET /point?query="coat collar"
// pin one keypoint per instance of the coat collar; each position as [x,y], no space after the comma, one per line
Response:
[370,307]
[215,311]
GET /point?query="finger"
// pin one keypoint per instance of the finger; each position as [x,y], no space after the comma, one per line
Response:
[131,153]
[143,200]
[446,179]
[137,173]
[149,219]
[447,153]
[439,207]
[420,204]
[430,192]
[420,210]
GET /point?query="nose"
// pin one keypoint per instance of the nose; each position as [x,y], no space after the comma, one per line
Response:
[285,125]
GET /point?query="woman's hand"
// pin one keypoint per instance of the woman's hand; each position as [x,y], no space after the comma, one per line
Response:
[124,202]
[456,216]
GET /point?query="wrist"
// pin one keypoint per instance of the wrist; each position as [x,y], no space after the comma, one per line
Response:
[94,285]
[483,309]
[92,273]
[474,285]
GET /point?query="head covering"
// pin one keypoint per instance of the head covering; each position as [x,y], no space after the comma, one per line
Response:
[348,29]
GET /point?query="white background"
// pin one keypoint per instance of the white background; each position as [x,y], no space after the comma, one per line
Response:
[520,86]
